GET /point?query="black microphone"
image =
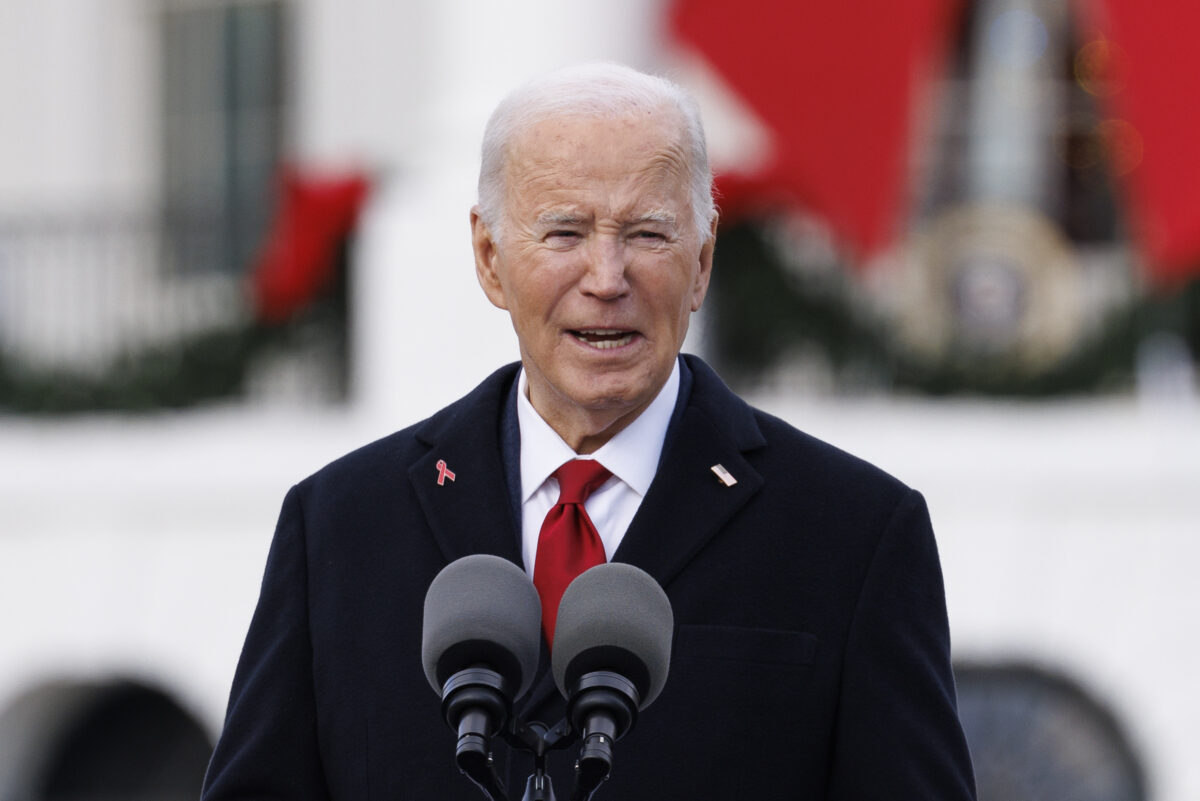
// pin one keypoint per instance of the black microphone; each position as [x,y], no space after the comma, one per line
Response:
[479,647]
[612,650]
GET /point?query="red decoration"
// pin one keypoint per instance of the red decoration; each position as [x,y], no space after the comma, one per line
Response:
[1149,84]
[298,259]
[835,83]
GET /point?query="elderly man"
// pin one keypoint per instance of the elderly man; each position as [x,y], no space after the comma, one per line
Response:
[811,652]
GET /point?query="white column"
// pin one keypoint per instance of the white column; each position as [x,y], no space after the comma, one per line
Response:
[424,332]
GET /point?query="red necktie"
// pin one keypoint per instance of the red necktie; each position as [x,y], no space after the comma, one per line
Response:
[568,543]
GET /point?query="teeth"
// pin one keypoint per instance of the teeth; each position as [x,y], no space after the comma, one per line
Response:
[603,344]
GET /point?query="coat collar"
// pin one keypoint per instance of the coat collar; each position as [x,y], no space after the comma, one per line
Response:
[686,504]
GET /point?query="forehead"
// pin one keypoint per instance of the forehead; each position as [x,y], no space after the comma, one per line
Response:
[626,160]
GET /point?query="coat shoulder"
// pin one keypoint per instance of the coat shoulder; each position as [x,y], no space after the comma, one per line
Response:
[784,453]
[820,462]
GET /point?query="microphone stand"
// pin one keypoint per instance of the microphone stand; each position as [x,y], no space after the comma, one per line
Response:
[603,706]
[535,738]
[475,760]
[474,702]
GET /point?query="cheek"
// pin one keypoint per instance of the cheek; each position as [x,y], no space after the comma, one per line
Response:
[531,302]
[683,290]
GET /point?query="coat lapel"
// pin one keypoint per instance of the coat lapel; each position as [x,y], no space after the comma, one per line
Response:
[471,513]
[687,503]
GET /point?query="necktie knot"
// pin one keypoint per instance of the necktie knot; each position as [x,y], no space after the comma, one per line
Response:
[579,478]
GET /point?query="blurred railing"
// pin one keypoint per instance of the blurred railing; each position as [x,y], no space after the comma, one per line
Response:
[79,293]
[115,311]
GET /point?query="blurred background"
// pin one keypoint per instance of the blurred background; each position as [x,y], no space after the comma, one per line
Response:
[960,238]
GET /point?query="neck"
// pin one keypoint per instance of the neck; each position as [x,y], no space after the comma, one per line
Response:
[587,428]
[588,432]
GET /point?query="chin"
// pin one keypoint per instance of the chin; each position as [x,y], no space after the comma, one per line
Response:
[598,392]
[603,399]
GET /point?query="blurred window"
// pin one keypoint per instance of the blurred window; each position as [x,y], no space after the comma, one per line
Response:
[223,124]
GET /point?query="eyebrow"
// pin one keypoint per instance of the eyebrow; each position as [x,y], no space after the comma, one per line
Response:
[656,216]
[552,218]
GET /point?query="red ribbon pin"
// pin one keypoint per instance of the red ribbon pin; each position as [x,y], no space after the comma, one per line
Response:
[444,473]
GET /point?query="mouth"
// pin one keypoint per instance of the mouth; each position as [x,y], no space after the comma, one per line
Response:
[604,338]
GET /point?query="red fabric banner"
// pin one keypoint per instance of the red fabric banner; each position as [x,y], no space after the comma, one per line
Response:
[297,261]
[1146,73]
[835,83]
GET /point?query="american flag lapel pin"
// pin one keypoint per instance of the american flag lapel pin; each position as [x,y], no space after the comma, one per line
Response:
[443,473]
[723,475]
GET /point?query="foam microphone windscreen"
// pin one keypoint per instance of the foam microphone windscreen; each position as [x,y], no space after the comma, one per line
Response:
[614,617]
[481,610]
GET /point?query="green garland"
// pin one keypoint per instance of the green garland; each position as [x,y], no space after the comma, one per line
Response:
[761,315]
[208,367]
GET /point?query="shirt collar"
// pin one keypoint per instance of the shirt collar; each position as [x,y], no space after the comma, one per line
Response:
[632,455]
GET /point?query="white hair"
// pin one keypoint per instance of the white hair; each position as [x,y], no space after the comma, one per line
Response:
[600,89]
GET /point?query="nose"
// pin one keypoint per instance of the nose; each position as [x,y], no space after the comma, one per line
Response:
[605,275]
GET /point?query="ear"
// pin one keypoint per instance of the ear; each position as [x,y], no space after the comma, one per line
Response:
[700,286]
[486,255]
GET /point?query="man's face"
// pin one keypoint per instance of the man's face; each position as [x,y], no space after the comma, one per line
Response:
[599,265]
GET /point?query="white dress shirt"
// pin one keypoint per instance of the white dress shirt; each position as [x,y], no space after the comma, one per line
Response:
[631,456]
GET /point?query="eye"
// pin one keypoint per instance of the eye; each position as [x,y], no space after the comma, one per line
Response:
[562,239]
[648,236]
[562,235]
